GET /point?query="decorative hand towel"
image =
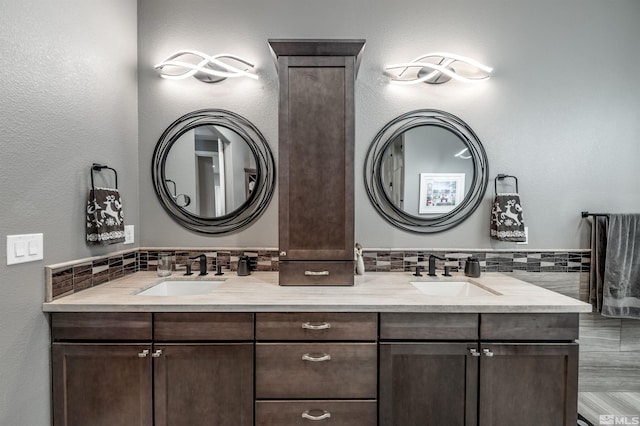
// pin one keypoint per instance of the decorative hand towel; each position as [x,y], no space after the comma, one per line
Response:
[621,292]
[507,223]
[105,220]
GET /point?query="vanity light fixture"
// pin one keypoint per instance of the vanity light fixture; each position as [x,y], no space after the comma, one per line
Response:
[440,67]
[206,68]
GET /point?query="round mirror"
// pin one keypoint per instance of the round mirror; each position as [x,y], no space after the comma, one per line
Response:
[213,171]
[426,171]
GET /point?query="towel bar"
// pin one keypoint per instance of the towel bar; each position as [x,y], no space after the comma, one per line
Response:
[587,214]
[502,177]
[95,167]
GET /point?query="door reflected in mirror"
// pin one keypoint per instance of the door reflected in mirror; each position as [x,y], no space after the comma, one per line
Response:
[208,171]
[427,170]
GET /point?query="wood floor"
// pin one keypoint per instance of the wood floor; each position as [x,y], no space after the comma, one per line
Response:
[591,405]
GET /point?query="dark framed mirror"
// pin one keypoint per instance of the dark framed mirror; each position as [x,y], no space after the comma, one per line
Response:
[426,171]
[213,171]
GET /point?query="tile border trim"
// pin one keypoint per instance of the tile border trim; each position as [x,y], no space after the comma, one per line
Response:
[70,277]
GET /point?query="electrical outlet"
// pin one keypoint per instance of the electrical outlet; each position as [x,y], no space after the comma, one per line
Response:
[24,248]
[128,234]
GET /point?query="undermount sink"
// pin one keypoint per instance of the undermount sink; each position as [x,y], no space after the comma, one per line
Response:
[181,288]
[451,288]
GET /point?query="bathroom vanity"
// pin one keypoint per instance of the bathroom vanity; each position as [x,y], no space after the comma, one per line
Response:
[252,352]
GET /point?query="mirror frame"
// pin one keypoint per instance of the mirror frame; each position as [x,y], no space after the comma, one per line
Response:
[259,199]
[373,172]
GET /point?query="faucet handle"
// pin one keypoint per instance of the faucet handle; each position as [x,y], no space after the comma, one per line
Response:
[188,267]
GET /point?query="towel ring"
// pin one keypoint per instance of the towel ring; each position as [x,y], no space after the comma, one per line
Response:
[95,167]
[503,177]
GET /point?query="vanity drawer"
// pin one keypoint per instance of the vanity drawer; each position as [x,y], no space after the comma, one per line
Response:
[326,273]
[195,326]
[302,413]
[317,326]
[557,327]
[316,370]
[428,326]
[125,326]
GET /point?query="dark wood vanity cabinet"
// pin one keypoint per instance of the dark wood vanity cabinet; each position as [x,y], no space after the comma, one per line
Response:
[507,370]
[197,369]
[316,155]
[316,367]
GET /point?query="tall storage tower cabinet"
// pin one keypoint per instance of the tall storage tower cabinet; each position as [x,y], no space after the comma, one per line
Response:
[316,154]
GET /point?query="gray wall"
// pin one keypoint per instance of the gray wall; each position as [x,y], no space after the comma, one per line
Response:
[561,111]
[69,98]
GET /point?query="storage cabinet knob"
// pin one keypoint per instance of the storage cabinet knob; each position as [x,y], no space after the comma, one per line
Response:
[324,415]
[309,357]
[143,354]
[309,326]
[474,352]
[157,353]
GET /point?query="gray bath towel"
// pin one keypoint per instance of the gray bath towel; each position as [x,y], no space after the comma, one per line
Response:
[621,292]
[599,232]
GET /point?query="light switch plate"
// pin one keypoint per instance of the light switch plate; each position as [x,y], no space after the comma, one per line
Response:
[24,248]
[128,234]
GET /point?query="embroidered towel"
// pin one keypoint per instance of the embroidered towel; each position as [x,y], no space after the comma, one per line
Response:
[507,223]
[621,292]
[105,220]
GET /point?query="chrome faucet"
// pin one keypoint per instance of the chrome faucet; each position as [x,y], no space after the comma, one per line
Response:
[203,263]
[432,264]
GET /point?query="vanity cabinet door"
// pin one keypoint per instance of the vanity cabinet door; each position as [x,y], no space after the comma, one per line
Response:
[203,384]
[101,384]
[428,384]
[528,384]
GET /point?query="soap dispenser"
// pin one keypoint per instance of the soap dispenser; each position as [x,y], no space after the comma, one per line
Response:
[243,266]
[472,267]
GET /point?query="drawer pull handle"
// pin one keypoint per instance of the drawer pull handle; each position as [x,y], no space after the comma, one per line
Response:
[143,354]
[309,326]
[308,357]
[157,353]
[474,352]
[487,352]
[316,273]
[324,415]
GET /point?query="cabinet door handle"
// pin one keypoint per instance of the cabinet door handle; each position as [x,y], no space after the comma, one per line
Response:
[474,352]
[157,353]
[283,253]
[324,415]
[316,273]
[143,354]
[308,357]
[309,326]
[487,352]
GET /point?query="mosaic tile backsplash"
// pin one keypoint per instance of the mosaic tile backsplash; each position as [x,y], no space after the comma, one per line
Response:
[74,277]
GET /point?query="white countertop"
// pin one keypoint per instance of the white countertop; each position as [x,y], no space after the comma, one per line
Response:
[372,292]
